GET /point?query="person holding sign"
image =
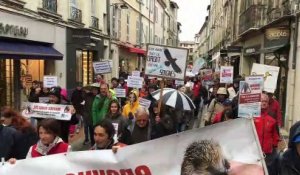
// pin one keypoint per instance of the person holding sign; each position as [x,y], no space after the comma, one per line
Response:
[132,105]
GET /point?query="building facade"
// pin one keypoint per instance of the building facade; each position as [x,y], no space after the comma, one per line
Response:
[240,33]
[190,45]
[49,37]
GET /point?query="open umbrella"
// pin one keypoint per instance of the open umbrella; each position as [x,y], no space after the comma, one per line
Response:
[175,99]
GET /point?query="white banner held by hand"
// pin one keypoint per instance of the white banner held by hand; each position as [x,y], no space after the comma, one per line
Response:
[135,82]
[102,67]
[50,81]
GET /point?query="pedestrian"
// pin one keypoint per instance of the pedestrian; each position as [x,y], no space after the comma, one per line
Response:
[26,135]
[140,128]
[288,162]
[32,93]
[101,103]
[226,114]
[114,83]
[266,128]
[49,141]
[55,97]
[90,93]
[274,109]
[103,135]
[118,120]
[216,105]
[132,105]
[7,142]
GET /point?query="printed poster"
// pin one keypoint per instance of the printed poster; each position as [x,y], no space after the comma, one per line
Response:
[42,110]
[226,74]
[102,67]
[270,74]
[179,154]
[136,73]
[120,92]
[50,81]
[135,82]
[144,102]
[198,64]
[166,62]
[250,96]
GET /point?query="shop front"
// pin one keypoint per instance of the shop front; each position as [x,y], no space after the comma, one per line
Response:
[131,59]
[83,48]
[26,55]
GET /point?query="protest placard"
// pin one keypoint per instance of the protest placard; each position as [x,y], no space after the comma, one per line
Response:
[250,96]
[177,153]
[144,102]
[179,82]
[199,63]
[135,82]
[226,74]
[42,110]
[120,93]
[136,73]
[166,62]
[270,74]
[50,81]
[43,99]
[102,67]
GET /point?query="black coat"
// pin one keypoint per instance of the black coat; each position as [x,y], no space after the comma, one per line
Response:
[23,142]
[7,142]
[76,100]
[288,163]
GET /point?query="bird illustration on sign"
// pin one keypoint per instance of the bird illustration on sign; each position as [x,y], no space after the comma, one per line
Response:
[171,61]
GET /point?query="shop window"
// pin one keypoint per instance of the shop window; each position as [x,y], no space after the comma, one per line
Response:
[84,67]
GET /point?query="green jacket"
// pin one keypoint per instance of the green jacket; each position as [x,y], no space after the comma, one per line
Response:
[100,108]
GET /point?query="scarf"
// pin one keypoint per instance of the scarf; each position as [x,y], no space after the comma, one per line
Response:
[44,149]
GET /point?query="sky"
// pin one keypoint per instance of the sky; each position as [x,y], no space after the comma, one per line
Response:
[191,15]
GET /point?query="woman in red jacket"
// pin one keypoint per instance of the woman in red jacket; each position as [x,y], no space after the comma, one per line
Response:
[49,143]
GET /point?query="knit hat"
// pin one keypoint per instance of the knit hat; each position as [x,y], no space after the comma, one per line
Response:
[55,91]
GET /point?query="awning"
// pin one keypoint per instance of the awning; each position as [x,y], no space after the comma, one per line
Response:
[24,50]
[137,50]
[279,48]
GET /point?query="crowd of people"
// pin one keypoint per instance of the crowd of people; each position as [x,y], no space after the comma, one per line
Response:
[111,122]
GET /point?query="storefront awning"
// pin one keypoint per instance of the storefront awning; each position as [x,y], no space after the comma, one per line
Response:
[279,48]
[137,50]
[22,50]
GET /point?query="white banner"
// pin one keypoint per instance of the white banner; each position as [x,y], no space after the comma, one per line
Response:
[120,92]
[42,110]
[102,67]
[179,82]
[250,96]
[270,74]
[135,82]
[166,62]
[144,102]
[226,74]
[165,156]
[50,81]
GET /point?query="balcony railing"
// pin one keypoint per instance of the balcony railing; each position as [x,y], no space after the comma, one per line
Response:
[253,17]
[75,14]
[95,22]
[273,14]
[50,5]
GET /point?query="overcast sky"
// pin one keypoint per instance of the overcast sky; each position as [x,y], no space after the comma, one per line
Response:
[191,15]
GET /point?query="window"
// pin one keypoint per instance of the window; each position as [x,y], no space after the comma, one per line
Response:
[142,32]
[151,5]
[113,27]
[147,35]
[147,3]
[151,39]
[155,14]
[74,3]
[128,28]
[119,22]
[162,19]
[93,7]
[137,31]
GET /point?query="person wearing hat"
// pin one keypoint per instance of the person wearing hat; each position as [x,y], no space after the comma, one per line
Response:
[216,105]
[55,97]
[288,162]
[226,114]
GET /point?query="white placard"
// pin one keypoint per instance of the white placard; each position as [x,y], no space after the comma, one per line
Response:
[270,74]
[121,93]
[102,67]
[198,64]
[135,82]
[136,73]
[50,81]
[226,74]
[244,155]
[179,82]
[166,62]
[42,110]
[43,99]
[144,102]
